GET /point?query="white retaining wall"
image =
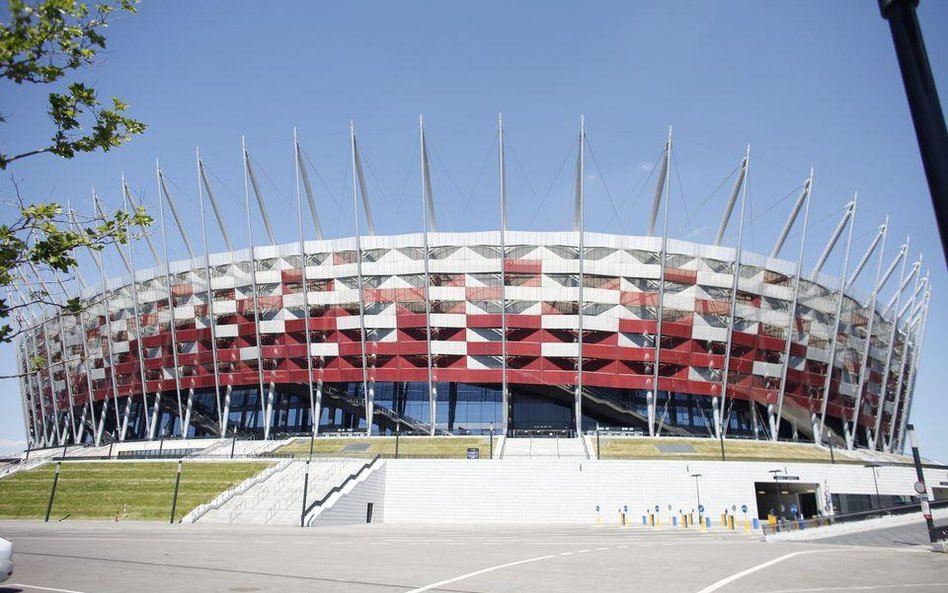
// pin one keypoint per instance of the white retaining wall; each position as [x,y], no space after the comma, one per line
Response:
[350,508]
[532,490]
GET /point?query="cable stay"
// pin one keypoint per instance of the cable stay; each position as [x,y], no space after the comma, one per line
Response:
[304,177]
[135,205]
[210,196]
[731,201]
[259,196]
[846,219]
[782,238]
[166,195]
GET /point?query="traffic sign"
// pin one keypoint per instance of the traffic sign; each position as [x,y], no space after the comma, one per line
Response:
[597,508]
[625,509]
[733,507]
[700,508]
[793,509]
[920,488]
[657,508]
[743,508]
[926,510]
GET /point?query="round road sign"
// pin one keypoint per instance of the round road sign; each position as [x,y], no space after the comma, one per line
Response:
[625,509]
[700,508]
[657,508]
[920,488]
[733,507]
[743,508]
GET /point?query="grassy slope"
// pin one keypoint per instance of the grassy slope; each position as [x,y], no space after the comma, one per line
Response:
[435,447]
[99,490]
[644,448]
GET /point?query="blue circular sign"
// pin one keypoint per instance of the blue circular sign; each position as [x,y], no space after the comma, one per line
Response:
[793,509]
[743,508]
[700,508]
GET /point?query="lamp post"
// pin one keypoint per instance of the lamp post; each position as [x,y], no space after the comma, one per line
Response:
[698,494]
[305,489]
[491,440]
[829,440]
[875,481]
[926,510]
[598,450]
[779,500]
[398,432]
[177,484]
[233,442]
[52,493]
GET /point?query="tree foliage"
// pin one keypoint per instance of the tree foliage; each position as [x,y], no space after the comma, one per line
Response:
[42,43]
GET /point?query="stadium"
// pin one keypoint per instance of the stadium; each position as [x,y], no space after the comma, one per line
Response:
[521,334]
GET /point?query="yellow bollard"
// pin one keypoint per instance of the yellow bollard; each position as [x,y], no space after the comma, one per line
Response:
[723,519]
[731,521]
[747,526]
[658,522]
[701,522]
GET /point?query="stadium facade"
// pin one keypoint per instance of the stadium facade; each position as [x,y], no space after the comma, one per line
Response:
[522,333]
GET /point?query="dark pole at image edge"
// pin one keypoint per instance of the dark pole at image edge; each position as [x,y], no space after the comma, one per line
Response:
[923,103]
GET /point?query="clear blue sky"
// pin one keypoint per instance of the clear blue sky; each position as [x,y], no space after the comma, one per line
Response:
[806,83]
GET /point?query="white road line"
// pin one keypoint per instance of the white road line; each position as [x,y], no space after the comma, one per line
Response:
[601,549]
[130,539]
[566,553]
[581,551]
[861,587]
[476,573]
[744,573]
[38,588]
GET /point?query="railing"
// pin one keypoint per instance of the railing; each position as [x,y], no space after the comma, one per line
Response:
[244,486]
[802,524]
[339,487]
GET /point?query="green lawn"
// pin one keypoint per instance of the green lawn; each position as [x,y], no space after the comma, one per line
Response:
[744,450]
[427,447]
[99,490]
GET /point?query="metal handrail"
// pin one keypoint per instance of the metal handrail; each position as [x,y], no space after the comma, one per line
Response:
[338,487]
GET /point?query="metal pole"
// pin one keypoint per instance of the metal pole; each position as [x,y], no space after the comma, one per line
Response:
[580,226]
[491,440]
[427,209]
[791,325]
[598,449]
[357,187]
[926,511]
[504,396]
[177,484]
[52,493]
[233,442]
[875,482]
[305,492]
[698,495]
[923,102]
[398,431]
[313,405]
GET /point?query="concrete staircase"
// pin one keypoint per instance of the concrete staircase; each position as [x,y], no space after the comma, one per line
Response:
[278,500]
[545,448]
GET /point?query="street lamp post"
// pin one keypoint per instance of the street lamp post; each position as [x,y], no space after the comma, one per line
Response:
[698,495]
[52,493]
[926,510]
[305,489]
[598,450]
[875,481]
[779,499]
[491,440]
[174,501]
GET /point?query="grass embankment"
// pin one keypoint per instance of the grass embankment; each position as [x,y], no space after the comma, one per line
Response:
[710,449]
[418,447]
[99,490]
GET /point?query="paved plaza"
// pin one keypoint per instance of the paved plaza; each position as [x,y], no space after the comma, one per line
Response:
[108,557]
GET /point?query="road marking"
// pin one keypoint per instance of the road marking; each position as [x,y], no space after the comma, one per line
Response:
[42,588]
[581,551]
[861,587]
[753,569]
[477,573]
[566,553]
[130,539]
[601,549]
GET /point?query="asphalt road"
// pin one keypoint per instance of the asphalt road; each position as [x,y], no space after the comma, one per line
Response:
[87,557]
